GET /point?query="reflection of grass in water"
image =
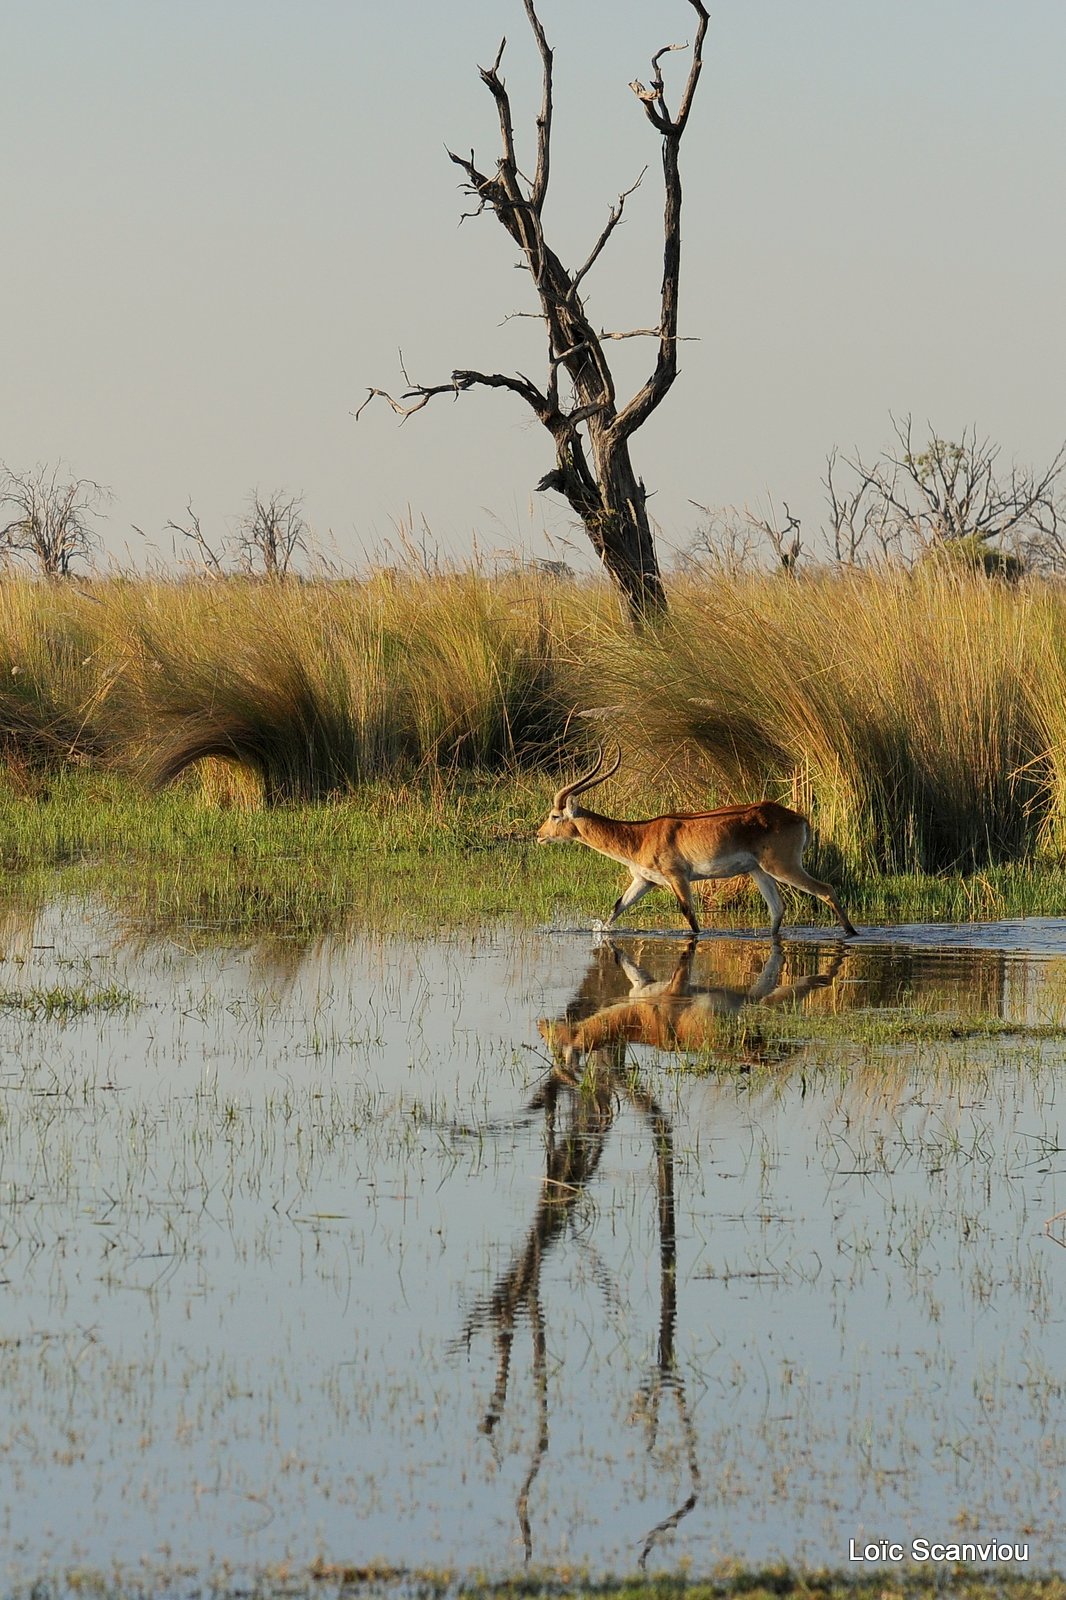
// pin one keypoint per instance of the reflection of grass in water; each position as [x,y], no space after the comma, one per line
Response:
[396,858]
[907,1025]
[877,1054]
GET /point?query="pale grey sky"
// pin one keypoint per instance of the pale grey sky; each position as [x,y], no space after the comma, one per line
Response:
[222,219]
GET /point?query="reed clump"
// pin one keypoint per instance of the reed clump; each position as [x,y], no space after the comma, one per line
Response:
[914,716]
[317,688]
[53,678]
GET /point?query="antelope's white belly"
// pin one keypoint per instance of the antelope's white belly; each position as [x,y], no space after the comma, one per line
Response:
[724,866]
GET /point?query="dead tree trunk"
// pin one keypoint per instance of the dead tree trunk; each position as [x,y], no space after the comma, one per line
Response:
[578,404]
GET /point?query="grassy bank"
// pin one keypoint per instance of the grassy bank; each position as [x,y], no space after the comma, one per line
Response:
[919,718]
[401,858]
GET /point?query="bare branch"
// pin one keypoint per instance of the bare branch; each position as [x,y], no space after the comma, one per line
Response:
[402,411]
[544,120]
[657,84]
[648,333]
[651,394]
[654,99]
[508,167]
[612,222]
[419,394]
[193,532]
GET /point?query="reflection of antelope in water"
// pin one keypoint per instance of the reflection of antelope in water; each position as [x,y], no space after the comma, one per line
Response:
[674,1013]
[578,1118]
[573,1152]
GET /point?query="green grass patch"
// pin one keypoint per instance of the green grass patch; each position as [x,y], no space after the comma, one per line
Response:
[400,857]
[63,1004]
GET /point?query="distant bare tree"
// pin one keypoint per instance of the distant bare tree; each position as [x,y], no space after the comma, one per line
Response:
[271,533]
[52,524]
[951,494]
[192,531]
[730,540]
[725,543]
[577,403]
[949,497]
[859,520]
[782,534]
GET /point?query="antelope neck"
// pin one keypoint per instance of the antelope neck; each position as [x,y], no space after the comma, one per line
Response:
[607,835]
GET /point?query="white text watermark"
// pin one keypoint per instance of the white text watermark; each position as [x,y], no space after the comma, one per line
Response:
[982,1551]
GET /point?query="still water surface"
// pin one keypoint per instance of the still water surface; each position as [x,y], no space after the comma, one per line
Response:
[510,1246]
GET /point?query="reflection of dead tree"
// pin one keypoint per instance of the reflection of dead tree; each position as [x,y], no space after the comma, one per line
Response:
[573,1153]
[665,1374]
[571,1159]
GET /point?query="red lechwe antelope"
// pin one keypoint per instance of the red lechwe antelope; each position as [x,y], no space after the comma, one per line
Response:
[764,840]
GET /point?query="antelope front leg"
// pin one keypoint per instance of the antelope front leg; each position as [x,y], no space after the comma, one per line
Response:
[683,894]
[635,890]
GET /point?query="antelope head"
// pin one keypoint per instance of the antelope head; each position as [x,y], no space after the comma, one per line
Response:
[560,824]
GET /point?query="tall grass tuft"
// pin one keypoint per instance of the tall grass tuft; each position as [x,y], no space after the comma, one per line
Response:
[896,709]
[320,687]
[52,677]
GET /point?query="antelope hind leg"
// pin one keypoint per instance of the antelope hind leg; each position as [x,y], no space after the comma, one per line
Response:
[799,879]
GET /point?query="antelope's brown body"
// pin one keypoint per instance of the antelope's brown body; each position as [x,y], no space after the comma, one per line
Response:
[764,840]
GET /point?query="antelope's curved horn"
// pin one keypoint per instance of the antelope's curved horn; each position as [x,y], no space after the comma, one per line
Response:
[588,781]
[579,783]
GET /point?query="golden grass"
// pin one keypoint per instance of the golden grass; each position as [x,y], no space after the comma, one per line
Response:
[915,717]
[919,718]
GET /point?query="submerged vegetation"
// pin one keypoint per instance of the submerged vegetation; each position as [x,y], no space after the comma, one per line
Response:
[325,1580]
[918,717]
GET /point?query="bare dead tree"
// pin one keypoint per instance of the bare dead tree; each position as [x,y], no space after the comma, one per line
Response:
[53,517]
[578,403]
[952,492]
[724,544]
[192,531]
[860,519]
[730,540]
[783,535]
[271,533]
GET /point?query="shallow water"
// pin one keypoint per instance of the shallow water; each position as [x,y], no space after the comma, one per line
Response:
[325,1252]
